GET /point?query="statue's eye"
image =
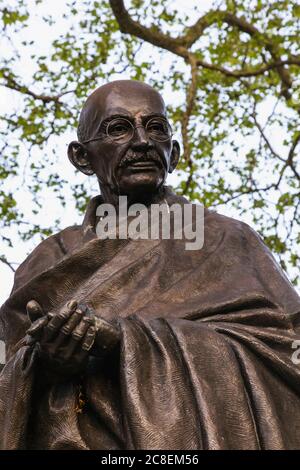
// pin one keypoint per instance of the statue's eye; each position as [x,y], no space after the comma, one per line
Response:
[157,127]
[119,128]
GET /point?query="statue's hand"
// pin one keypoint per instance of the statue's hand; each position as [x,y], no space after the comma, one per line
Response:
[63,339]
[107,339]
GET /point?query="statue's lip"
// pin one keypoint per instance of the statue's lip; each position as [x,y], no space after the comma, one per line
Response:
[143,163]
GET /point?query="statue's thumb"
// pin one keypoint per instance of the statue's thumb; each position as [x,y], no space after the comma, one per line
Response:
[34,310]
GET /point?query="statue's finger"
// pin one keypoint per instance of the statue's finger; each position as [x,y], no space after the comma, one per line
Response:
[89,339]
[79,332]
[58,320]
[88,310]
[74,345]
[65,346]
[72,305]
[83,307]
[71,324]
[36,328]
[34,310]
[108,335]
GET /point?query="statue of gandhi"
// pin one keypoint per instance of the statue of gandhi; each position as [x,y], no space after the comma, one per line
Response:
[143,344]
[125,139]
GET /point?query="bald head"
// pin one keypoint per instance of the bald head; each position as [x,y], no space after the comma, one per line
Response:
[134,166]
[120,97]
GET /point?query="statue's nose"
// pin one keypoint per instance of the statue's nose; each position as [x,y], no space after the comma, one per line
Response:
[140,139]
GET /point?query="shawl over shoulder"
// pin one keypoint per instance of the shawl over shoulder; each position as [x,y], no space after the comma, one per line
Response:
[205,358]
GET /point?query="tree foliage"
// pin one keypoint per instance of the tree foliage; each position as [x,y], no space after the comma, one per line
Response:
[232,72]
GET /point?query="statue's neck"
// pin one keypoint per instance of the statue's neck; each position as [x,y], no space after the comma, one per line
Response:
[141,197]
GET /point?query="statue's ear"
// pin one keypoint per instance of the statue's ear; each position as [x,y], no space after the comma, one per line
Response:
[175,154]
[78,157]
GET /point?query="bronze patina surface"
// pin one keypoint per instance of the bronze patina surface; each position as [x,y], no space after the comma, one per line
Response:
[142,344]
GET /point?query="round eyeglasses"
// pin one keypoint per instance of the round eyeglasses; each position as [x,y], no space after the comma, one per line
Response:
[121,130]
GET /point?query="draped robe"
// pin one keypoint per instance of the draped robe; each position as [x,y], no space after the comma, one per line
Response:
[205,359]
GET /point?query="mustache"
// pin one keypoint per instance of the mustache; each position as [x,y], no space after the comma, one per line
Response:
[133,157]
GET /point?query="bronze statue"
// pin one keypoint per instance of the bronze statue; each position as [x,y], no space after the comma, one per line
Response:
[141,344]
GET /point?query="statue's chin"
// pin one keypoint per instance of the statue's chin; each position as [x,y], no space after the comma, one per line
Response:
[141,182]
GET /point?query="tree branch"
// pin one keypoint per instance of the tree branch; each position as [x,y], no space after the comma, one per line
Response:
[248,72]
[287,162]
[7,263]
[291,154]
[154,36]
[268,143]
[243,193]
[195,31]
[14,85]
[180,45]
[190,101]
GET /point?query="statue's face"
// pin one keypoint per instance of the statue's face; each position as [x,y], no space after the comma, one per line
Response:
[141,163]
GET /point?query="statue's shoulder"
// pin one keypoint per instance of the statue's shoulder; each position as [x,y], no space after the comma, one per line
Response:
[216,223]
[48,253]
[232,227]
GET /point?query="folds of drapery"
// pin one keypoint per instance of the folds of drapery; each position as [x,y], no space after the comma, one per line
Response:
[205,358]
[180,384]
[209,385]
